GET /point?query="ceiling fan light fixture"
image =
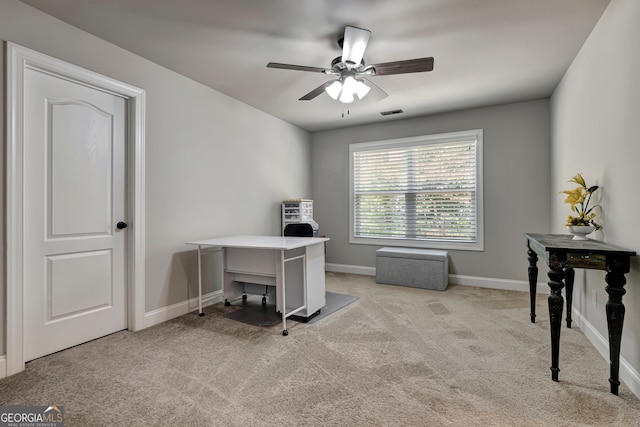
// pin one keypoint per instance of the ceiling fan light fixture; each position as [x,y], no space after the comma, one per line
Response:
[361,89]
[351,71]
[334,89]
[349,89]
[346,97]
[350,85]
[346,89]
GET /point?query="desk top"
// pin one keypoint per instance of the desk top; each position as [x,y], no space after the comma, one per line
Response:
[564,242]
[261,242]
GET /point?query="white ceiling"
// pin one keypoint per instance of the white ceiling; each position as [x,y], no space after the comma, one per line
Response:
[486,52]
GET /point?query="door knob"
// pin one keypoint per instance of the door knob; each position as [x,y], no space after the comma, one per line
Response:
[121,225]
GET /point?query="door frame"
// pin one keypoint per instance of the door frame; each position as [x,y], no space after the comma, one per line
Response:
[18,59]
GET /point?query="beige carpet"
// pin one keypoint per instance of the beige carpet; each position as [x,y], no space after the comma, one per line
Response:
[395,357]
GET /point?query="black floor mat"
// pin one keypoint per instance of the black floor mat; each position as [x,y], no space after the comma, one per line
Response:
[253,312]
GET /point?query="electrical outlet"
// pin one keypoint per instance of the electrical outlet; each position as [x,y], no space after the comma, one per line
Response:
[594,297]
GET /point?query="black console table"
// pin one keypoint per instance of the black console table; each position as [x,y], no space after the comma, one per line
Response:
[562,254]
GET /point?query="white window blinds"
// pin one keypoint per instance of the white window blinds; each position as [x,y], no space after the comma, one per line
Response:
[424,190]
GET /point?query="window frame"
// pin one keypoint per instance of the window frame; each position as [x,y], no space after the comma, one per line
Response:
[477,245]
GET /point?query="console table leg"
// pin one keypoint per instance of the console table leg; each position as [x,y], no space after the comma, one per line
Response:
[569,275]
[615,319]
[556,303]
[533,281]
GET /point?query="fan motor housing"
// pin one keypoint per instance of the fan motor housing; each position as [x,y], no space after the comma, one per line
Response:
[337,65]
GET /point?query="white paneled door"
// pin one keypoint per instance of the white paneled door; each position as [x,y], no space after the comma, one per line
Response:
[75,234]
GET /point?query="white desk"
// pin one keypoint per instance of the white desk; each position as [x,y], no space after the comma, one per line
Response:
[262,260]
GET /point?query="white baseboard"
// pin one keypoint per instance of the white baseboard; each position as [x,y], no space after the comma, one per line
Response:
[628,374]
[170,312]
[455,279]
[493,283]
[163,314]
[3,366]
[350,269]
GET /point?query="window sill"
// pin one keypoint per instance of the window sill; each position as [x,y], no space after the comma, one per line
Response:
[426,244]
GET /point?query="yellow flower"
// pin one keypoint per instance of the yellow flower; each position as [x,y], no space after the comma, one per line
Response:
[579,199]
[578,179]
[574,196]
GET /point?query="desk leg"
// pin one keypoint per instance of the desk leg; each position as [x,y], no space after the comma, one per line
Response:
[283,287]
[615,319]
[556,303]
[533,281]
[200,312]
[569,275]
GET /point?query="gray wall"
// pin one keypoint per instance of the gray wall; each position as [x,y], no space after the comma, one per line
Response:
[595,112]
[516,183]
[214,166]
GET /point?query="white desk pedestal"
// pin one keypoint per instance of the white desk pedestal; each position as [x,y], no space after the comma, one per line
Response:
[294,265]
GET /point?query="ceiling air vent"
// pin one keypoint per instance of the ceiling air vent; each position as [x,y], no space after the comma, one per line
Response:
[390,112]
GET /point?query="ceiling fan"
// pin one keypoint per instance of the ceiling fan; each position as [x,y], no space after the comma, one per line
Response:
[351,70]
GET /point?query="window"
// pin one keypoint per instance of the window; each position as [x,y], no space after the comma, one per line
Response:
[423,191]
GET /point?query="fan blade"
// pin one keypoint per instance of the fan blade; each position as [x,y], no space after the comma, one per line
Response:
[296,67]
[317,91]
[353,45]
[376,94]
[402,67]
